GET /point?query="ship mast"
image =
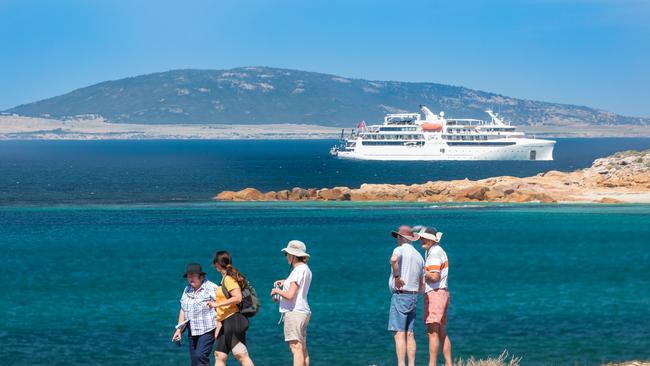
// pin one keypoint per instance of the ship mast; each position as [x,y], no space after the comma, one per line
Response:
[495,117]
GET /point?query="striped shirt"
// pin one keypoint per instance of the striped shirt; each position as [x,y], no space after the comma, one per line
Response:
[436,262]
[195,306]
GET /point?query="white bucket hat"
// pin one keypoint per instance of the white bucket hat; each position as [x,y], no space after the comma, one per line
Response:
[429,233]
[297,248]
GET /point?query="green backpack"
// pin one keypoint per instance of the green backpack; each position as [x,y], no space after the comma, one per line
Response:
[250,302]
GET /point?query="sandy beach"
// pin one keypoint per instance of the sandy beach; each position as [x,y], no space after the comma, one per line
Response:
[30,128]
[13,127]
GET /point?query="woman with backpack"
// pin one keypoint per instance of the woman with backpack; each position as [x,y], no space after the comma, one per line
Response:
[232,324]
[293,301]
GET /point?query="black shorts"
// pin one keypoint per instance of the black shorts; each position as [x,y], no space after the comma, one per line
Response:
[233,331]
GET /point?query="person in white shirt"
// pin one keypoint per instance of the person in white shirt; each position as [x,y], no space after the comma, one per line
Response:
[436,295]
[293,301]
[404,283]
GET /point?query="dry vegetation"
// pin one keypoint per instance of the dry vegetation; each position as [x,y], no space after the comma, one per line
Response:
[503,360]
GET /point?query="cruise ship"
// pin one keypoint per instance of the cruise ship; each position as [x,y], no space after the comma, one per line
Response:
[408,136]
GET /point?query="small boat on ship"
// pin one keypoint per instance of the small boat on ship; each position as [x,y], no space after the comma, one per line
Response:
[408,136]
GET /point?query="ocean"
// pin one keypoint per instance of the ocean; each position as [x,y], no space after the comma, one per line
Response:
[58,172]
[96,235]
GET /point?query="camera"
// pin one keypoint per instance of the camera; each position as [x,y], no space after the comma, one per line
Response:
[276,297]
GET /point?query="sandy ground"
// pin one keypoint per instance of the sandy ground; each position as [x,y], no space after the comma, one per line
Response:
[16,127]
[587,131]
[627,197]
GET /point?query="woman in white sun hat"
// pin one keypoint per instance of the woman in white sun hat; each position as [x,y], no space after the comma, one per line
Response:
[294,307]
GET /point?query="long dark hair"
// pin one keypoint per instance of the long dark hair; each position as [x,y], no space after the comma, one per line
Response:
[224,260]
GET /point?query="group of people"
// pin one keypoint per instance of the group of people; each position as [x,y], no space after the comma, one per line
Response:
[212,313]
[411,275]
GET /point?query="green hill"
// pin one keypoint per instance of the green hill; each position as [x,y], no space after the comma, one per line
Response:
[257,95]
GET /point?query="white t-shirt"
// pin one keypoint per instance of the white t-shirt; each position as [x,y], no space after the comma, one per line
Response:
[301,274]
[436,262]
[411,264]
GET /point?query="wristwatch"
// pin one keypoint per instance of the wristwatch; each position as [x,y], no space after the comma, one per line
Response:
[396,276]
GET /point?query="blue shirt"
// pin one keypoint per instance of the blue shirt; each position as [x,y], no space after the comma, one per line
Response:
[411,267]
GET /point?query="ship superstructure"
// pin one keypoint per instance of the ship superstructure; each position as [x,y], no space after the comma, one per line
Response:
[408,136]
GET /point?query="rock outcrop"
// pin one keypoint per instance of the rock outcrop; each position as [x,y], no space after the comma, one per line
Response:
[622,177]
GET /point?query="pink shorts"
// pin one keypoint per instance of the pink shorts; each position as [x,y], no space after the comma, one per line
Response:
[436,304]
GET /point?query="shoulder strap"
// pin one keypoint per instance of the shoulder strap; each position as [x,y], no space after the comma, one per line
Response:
[224,290]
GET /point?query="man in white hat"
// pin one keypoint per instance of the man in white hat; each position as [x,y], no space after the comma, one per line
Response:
[406,276]
[293,301]
[436,294]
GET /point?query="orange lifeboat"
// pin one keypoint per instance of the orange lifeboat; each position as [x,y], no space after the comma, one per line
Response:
[432,127]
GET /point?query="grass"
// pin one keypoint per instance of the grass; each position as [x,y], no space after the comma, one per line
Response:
[502,360]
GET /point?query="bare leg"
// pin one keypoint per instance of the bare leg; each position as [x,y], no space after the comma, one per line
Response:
[305,352]
[220,359]
[298,355]
[410,347]
[446,345]
[400,348]
[434,342]
[244,359]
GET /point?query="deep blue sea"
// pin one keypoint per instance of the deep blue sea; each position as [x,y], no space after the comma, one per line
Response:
[49,172]
[95,237]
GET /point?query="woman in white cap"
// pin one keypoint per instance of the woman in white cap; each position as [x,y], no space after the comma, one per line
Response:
[293,301]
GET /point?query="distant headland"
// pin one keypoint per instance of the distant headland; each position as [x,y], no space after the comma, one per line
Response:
[272,96]
[620,178]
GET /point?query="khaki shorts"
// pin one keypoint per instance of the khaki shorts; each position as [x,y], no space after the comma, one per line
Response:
[295,326]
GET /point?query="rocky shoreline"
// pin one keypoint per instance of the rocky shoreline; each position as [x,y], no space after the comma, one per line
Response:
[622,177]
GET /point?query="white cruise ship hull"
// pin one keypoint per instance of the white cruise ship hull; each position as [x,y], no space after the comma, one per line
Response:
[521,149]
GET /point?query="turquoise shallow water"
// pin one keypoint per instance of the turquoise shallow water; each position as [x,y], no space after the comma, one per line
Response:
[556,285]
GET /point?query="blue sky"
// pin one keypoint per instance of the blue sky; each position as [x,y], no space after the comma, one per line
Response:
[594,53]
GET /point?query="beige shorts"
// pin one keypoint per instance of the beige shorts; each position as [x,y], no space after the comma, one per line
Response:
[295,326]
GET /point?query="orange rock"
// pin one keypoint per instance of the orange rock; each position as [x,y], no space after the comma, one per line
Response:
[411,197]
[249,194]
[298,193]
[626,172]
[282,195]
[437,198]
[226,196]
[473,193]
[334,194]
[270,196]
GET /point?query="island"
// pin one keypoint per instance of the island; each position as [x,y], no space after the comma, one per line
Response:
[620,178]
